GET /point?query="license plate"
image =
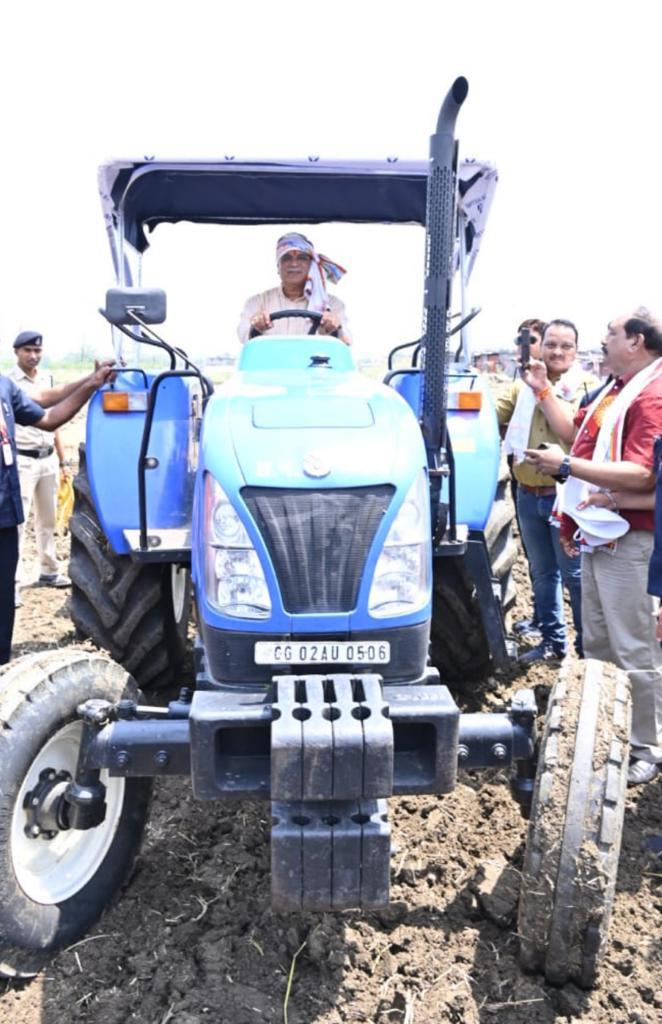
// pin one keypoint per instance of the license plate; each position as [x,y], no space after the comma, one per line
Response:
[322,652]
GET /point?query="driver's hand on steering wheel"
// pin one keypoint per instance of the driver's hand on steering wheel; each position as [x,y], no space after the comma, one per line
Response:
[329,323]
[261,322]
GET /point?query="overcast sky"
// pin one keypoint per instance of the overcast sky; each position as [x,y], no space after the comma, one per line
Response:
[564,99]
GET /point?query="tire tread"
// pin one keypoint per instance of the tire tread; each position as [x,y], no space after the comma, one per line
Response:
[565,936]
[120,604]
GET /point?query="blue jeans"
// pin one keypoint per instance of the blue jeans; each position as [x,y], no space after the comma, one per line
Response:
[550,568]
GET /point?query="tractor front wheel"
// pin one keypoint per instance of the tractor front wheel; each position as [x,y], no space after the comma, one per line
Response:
[576,824]
[56,881]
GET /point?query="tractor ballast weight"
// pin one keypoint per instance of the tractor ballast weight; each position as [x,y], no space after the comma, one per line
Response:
[307,505]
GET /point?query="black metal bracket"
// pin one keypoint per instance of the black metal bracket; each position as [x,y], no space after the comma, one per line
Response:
[85,796]
[142,458]
[311,739]
[489,740]
[489,595]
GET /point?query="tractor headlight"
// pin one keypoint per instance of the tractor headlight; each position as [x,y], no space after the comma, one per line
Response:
[402,578]
[234,576]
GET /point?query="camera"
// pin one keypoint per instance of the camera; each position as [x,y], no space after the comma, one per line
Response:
[524,343]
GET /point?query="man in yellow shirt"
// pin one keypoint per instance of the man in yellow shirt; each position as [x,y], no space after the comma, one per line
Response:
[521,410]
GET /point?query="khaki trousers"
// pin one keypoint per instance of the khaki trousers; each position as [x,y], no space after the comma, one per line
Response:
[619,626]
[39,483]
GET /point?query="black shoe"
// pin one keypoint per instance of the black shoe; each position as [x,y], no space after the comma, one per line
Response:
[527,628]
[546,651]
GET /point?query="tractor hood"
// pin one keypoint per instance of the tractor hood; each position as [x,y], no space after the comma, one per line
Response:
[308,425]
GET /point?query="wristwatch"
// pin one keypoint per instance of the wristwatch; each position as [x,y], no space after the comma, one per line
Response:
[564,471]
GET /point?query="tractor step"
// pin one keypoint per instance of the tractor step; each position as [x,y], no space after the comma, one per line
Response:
[330,855]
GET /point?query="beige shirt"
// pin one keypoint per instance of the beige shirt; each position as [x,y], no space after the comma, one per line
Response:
[541,432]
[272,301]
[31,438]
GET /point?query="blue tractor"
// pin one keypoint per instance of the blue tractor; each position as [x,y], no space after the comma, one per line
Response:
[346,558]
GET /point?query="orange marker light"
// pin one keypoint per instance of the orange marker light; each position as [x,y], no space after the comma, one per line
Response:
[465,401]
[470,400]
[124,401]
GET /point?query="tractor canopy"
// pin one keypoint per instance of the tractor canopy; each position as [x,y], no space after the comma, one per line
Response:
[138,195]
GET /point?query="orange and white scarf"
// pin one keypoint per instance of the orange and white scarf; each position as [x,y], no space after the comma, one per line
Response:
[609,442]
[600,527]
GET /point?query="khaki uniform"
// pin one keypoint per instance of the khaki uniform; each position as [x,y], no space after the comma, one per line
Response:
[39,478]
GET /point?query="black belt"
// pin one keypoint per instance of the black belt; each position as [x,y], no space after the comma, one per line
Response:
[35,453]
[540,492]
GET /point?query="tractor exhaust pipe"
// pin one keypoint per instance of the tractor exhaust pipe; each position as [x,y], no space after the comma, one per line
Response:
[440,230]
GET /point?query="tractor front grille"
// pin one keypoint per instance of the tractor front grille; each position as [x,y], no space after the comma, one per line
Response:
[318,541]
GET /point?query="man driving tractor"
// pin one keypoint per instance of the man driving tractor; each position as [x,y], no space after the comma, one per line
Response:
[303,274]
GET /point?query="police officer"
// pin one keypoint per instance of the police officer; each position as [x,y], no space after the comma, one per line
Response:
[46,409]
[38,456]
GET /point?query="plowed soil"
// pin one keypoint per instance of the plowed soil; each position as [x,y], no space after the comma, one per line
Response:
[192,937]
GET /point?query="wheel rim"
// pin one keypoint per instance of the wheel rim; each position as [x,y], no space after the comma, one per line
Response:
[179,590]
[52,870]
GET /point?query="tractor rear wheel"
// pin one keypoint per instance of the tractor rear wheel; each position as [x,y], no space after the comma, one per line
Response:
[138,612]
[459,645]
[576,824]
[55,881]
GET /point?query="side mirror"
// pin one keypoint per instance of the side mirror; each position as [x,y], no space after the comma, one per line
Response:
[149,304]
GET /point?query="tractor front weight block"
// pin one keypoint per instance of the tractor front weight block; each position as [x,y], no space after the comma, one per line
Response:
[335,737]
[330,855]
[327,750]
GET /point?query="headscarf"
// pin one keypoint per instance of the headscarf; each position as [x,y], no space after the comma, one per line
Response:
[321,267]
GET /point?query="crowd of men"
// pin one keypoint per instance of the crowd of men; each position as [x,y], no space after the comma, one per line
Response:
[586,456]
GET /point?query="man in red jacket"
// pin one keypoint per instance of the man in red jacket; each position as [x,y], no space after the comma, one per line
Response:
[613,452]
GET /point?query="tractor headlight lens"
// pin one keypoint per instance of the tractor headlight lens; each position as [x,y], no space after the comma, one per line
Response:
[227,528]
[234,576]
[402,578]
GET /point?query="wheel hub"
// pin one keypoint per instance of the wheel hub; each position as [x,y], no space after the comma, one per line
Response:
[45,805]
[53,871]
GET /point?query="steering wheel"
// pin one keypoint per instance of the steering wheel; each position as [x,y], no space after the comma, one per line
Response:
[309,314]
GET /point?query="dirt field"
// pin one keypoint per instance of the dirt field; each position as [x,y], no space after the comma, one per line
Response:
[192,938]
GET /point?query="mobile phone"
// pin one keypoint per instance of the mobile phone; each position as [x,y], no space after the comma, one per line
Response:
[524,342]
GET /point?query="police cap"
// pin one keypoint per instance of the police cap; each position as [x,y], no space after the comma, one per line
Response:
[28,338]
